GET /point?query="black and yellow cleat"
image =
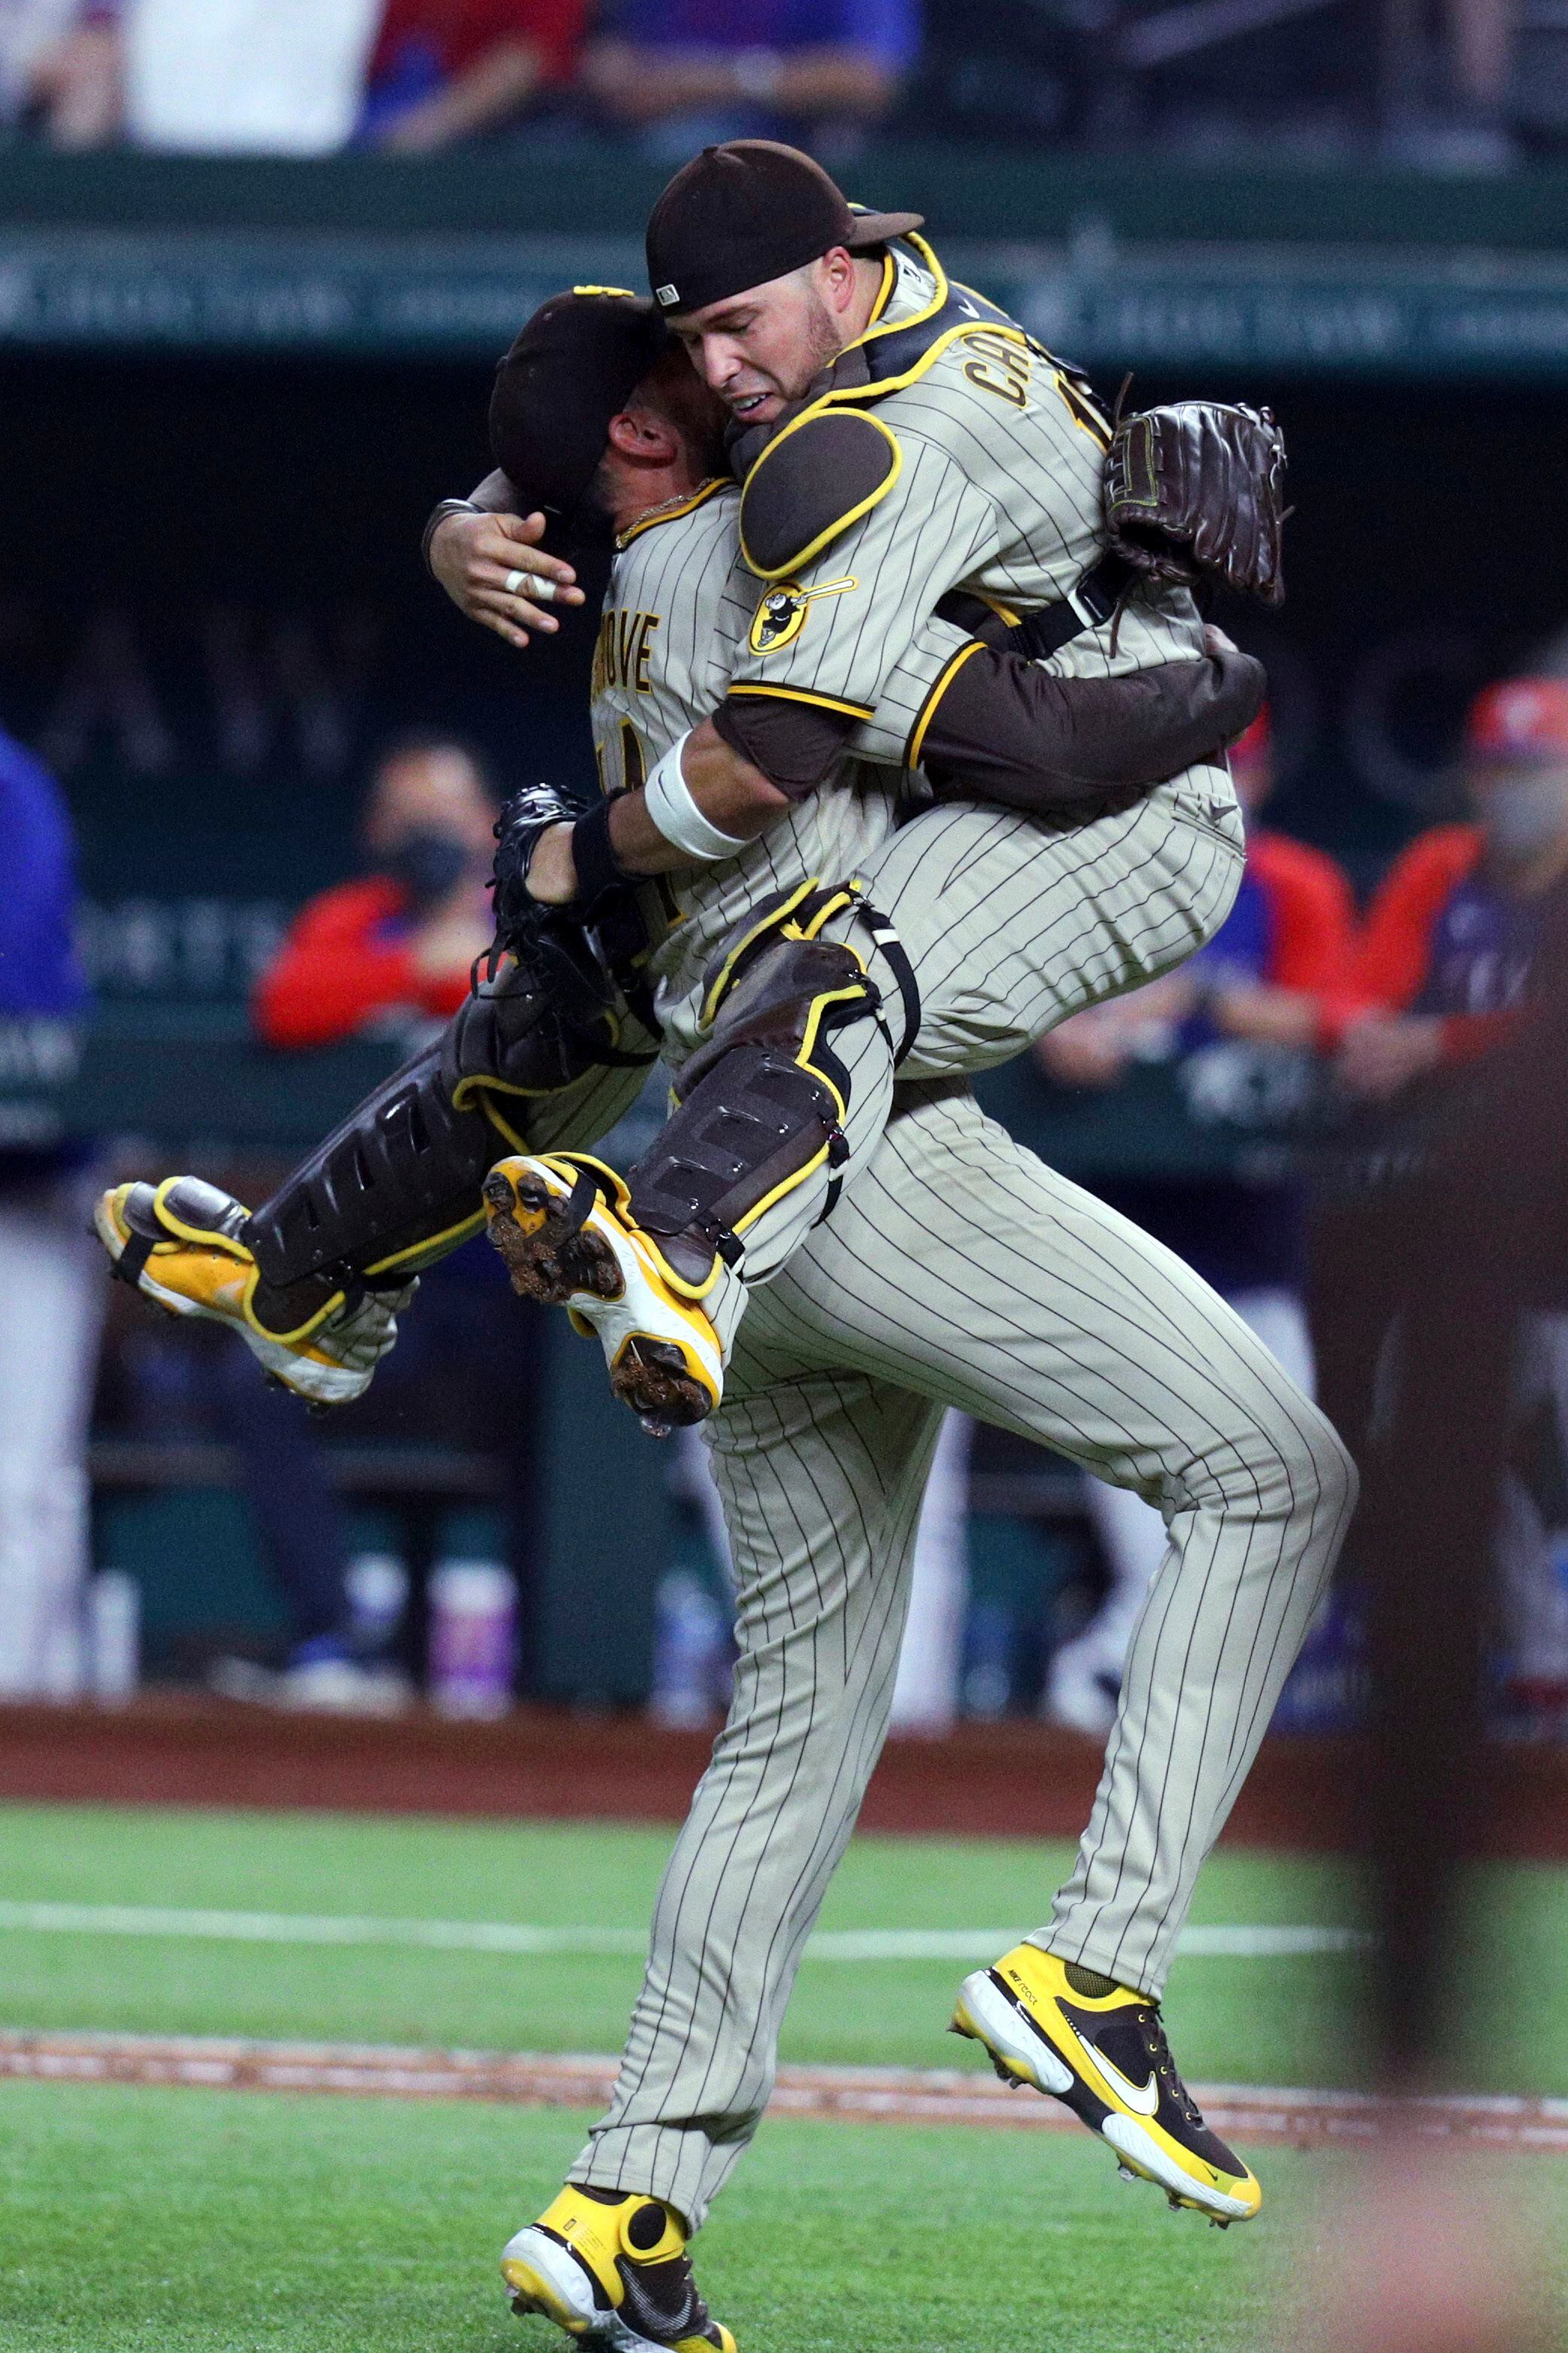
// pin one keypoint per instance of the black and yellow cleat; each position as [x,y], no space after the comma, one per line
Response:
[1103,2050]
[561,1222]
[612,2270]
[180,1245]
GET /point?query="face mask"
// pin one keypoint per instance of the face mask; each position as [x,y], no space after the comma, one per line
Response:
[427,864]
[1521,817]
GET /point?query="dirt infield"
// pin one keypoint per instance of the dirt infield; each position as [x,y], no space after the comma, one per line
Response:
[1303,2120]
[984,1780]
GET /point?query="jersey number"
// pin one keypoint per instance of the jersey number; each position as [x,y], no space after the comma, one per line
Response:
[1082,410]
[634,762]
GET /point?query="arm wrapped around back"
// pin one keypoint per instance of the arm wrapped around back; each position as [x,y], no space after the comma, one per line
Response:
[1003,729]
[999,728]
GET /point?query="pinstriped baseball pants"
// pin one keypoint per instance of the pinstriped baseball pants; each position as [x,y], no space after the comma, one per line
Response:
[962,1272]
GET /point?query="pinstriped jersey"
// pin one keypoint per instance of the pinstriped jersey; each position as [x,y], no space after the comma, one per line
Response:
[679,608]
[996,491]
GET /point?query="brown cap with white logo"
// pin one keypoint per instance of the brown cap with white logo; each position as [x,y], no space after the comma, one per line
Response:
[743,214]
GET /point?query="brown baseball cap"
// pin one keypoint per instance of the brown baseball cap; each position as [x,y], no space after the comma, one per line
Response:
[741,215]
[572,369]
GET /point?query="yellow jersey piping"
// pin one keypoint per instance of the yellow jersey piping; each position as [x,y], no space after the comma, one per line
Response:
[673,513]
[804,694]
[949,670]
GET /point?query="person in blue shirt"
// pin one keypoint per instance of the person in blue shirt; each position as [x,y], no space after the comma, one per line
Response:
[684,74]
[50,1296]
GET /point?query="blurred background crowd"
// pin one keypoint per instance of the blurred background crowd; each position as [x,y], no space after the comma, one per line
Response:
[250,762]
[1445,83]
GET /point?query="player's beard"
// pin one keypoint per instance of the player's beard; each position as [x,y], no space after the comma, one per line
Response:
[823,342]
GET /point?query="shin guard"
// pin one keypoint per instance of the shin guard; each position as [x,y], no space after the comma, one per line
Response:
[392,1189]
[762,1105]
[397,1185]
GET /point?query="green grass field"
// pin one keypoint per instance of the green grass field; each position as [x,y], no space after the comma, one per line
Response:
[139,2218]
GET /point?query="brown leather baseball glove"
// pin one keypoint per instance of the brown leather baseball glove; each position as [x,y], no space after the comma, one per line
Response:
[1198,488]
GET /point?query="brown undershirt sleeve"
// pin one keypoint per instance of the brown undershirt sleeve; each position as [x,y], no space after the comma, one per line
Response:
[794,743]
[999,727]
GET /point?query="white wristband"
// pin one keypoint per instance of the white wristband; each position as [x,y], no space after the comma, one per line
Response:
[676,815]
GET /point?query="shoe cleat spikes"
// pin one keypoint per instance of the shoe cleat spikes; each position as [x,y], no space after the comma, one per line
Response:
[1125,2173]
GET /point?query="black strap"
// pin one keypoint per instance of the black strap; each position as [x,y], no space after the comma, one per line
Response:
[598,867]
[903,972]
[580,1201]
[128,1266]
[1041,634]
[639,996]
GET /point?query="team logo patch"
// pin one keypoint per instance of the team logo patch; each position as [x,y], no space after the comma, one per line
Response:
[782,615]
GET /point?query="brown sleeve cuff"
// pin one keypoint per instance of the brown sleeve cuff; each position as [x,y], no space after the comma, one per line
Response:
[793,741]
[1000,728]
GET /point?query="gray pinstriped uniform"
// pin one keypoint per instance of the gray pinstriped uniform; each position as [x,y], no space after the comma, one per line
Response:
[1010,925]
[957,1270]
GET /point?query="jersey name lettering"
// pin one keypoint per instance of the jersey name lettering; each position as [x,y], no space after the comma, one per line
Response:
[621,655]
[1003,367]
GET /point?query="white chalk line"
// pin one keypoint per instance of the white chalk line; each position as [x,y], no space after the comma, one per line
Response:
[1304,2119]
[1244,1942]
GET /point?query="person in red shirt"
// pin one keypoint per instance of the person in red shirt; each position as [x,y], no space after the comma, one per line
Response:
[449,69]
[1274,974]
[400,942]
[1446,950]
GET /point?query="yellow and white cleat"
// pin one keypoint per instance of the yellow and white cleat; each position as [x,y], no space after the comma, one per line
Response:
[562,1223]
[179,1244]
[1101,2048]
[612,2270]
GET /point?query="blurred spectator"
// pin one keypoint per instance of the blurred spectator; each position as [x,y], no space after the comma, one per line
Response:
[1446,948]
[392,951]
[402,941]
[1445,962]
[245,77]
[682,73]
[51,1287]
[449,69]
[60,68]
[1271,977]
[1445,105]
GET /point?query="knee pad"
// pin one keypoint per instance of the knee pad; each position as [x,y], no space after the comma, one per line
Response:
[395,1186]
[762,1105]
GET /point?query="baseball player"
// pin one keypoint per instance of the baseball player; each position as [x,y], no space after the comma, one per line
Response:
[941,457]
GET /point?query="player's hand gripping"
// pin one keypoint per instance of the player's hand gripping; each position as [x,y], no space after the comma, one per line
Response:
[494,570]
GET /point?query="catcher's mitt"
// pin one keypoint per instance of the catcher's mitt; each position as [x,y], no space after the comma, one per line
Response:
[570,958]
[1199,488]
